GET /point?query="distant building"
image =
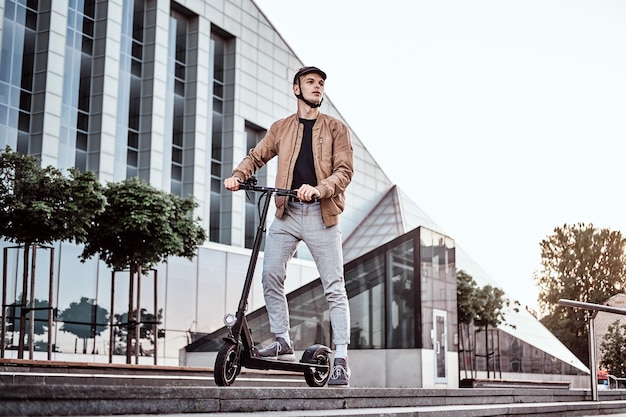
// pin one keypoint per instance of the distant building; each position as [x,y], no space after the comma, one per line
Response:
[603,320]
[176,93]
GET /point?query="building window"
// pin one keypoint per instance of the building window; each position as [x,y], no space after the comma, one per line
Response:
[77,85]
[366,290]
[21,86]
[437,283]
[401,298]
[253,136]
[384,290]
[222,60]
[135,158]
[182,67]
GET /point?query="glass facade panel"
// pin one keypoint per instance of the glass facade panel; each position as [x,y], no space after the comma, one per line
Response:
[509,354]
[218,59]
[222,63]
[74,294]
[17,68]
[181,74]
[438,284]
[365,284]
[386,281]
[180,303]
[212,273]
[37,297]
[402,296]
[137,86]
[77,85]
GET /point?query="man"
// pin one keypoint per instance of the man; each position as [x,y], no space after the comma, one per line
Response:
[315,158]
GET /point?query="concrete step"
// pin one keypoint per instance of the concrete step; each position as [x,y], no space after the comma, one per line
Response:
[90,400]
[29,372]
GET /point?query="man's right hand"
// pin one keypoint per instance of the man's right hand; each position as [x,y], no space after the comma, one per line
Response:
[232,183]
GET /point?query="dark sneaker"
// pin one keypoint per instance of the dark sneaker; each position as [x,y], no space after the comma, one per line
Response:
[341,373]
[279,349]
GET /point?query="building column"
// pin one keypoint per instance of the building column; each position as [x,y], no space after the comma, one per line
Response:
[112,166]
[54,84]
[204,122]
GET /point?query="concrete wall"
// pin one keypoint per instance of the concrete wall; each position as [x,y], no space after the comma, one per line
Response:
[400,368]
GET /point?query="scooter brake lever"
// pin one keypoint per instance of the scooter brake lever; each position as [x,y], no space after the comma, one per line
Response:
[250,182]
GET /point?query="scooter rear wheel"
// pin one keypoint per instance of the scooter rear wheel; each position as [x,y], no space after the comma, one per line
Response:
[316,355]
[227,365]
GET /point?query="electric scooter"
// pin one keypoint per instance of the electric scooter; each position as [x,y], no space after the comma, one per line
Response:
[238,350]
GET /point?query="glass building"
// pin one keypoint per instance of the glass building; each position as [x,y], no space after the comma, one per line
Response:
[175,92]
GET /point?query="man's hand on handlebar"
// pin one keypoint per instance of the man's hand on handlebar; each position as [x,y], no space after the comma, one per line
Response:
[308,193]
[232,183]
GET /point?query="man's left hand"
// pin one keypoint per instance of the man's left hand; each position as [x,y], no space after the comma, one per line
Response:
[308,193]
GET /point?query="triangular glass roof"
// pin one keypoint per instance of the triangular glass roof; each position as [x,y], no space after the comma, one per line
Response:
[394,215]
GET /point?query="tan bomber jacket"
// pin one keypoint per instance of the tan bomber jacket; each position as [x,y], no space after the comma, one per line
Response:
[332,153]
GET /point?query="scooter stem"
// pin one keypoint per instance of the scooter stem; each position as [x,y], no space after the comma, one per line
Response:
[256,248]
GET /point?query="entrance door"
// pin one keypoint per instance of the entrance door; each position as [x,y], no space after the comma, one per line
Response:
[440,346]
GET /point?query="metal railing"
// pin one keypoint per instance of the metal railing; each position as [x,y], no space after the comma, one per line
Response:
[594,309]
[616,380]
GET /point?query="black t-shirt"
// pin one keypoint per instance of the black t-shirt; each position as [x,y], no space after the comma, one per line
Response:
[304,171]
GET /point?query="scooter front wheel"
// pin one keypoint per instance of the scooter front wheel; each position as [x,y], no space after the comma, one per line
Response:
[227,364]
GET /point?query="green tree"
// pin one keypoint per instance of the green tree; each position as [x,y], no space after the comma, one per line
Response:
[85,320]
[140,227]
[12,314]
[147,326]
[40,206]
[491,307]
[579,263]
[613,348]
[466,289]
[466,309]
[481,307]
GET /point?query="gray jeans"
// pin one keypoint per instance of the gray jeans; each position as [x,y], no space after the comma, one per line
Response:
[303,222]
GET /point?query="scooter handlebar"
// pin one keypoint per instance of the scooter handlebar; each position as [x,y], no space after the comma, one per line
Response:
[250,185]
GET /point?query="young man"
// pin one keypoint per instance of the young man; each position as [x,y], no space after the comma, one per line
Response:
[315,158]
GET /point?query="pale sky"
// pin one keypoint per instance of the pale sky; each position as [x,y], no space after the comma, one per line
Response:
[501,119]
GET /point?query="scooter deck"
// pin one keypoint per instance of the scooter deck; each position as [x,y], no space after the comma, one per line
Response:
[279,365]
